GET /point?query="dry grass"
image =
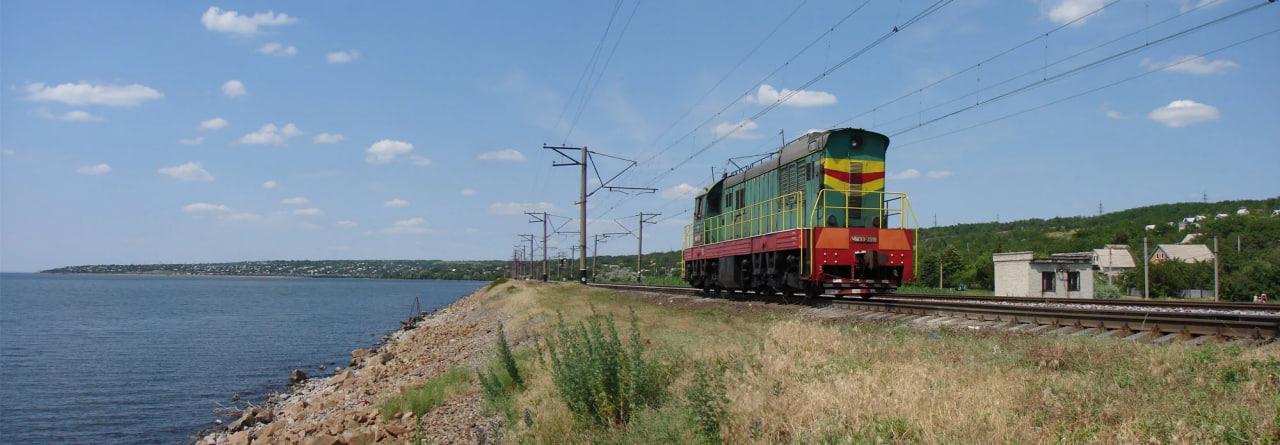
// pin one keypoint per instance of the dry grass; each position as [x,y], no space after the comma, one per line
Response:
[790,380]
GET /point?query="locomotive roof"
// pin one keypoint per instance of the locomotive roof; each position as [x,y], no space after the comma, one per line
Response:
[796,149]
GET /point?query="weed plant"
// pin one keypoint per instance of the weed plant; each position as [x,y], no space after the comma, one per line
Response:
[502,380]
[601,381]
[421,399]
[707,402]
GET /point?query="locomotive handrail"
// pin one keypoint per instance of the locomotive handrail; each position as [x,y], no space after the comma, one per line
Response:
[903,211]
[773,215]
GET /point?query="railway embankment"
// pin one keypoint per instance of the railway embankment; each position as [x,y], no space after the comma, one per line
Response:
[602,366]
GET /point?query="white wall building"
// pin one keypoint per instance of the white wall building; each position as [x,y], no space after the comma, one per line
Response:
[1020,274]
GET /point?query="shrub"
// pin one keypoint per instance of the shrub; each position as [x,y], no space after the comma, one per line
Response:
[503,377]
[599,380]
[707,402]
[496,283]
[1105,290]
[421,399]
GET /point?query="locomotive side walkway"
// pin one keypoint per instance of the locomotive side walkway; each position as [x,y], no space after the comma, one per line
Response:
[779,373]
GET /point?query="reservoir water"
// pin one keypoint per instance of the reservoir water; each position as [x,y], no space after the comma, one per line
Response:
[149,359]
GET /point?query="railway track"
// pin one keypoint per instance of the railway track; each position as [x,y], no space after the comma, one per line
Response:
[1144,321]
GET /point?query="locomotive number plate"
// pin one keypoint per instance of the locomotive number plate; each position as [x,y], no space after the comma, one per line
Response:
[868,239]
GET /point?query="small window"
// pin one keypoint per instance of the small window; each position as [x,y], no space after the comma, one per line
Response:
[1073,281]
[1046,281]
[808,171]
[742,197]
[728,200]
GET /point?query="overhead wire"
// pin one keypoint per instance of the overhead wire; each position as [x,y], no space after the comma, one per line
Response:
[600,75]
[1086,67]
[1092,90]
[930,10]
[732,69]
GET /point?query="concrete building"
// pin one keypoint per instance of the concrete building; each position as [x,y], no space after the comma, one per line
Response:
[1067,275]
[1187,253]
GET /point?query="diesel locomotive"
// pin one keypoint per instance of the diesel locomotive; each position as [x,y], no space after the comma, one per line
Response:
[813,218]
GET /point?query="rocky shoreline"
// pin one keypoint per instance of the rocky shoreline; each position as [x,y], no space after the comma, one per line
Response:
[343,408]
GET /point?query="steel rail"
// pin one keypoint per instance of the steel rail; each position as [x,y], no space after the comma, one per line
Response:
[1154,326]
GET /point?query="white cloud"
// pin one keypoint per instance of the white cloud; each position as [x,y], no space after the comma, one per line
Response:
[1064,11]
[347,224]
[213,124]
[516,208]
[397,202]
[269,134]
[308,212]
[472,230]
[8,152]
[85,93]
[190,171]
[193,141]
[387,150]
[278,50]
[743,130]
[909,173]
[326,138]
[467,192]
[411,225]
[1196,65]
[239,217]
[768,95]
[682,191]
[298,200]
[344,56]
[215,19]
[70,116]
[234,88]
[503,155]
[1116,115]
[940,174]
[94,169]
[269,185]
[204,207]
[1184,112]
[420,161]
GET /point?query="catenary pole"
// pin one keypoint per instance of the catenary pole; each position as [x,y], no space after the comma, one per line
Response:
[1146,267]
[582,220]
[1215,269]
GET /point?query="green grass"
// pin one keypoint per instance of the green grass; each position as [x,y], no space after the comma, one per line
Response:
[421,399]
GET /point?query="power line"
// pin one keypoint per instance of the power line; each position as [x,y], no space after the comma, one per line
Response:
[732,70]
[930,10]
[1088,91]
[591,88]
[1085,67]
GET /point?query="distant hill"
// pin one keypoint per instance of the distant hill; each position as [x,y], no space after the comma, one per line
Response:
[413,269]
[966,249]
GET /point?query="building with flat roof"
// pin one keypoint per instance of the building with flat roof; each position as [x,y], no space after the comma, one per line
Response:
[1064,275]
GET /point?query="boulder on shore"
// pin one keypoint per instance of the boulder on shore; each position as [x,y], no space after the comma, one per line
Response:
[297,376]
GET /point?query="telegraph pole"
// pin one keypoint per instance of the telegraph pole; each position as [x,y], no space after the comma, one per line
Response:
[542,218]
[1215,268]
[640,240]
[582,202]
[582,195]
[529,237]
[1146,274]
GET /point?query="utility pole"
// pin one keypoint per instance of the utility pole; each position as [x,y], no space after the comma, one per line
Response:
[1215,268]
[529,237]
[640,240]
[595,251]
[582,202]
[1146,274]
[582,195]
[542,218]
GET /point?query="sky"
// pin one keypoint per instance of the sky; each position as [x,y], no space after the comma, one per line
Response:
[177,132]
